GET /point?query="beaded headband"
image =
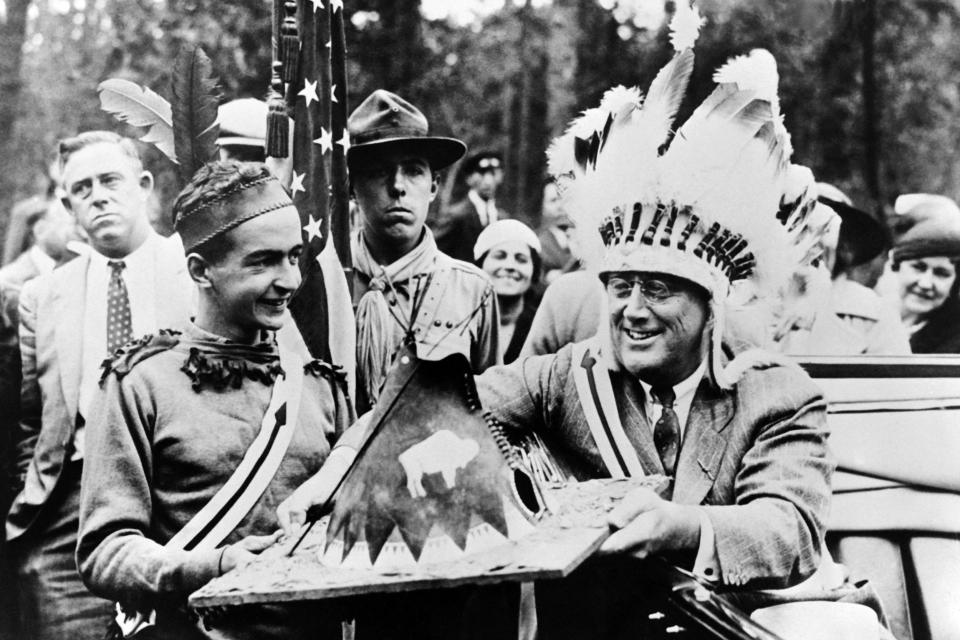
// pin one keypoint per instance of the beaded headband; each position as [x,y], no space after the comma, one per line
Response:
[230,209]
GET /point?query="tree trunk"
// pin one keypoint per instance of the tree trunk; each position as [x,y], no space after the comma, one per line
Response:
[521,208]
[561,66]
[13,33]
[871,132]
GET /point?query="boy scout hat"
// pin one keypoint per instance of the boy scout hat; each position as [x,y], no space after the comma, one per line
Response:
[386,120]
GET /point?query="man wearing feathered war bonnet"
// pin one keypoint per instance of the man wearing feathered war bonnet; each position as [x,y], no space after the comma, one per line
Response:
[169,500]
[685,234]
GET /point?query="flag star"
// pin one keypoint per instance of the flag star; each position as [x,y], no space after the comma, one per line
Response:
[313,229]
[317,4]
[328,44]
[333,93]
[344,141]
[309,91]
[297,184]
[336,4]
[325,140]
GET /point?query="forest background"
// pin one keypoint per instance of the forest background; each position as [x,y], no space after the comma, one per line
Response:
[869,88]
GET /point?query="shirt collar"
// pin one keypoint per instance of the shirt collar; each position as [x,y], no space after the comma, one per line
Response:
[479,202]
[137,259]
[683,389]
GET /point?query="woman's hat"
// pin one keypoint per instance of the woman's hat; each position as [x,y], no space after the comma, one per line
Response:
[928,226]
[501,231]
[385,120]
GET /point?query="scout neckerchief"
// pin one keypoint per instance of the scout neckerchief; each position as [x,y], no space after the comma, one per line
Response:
[221,515]
[592,379]
[381,326]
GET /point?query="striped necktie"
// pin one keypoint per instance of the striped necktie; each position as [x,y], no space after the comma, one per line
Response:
[666,433]
[119,320]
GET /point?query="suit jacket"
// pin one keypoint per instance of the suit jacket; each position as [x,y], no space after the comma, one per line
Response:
[570,311]
[51,343]
[755,457]
[456,230]
[552,255]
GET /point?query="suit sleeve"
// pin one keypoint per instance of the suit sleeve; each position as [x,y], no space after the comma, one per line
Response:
[115,555]
[772,534]
[9,392]
[30,398]
[527,393]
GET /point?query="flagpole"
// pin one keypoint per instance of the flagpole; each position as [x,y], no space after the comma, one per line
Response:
[340,197]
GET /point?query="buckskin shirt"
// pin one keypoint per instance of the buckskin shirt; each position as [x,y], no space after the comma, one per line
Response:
[174,419]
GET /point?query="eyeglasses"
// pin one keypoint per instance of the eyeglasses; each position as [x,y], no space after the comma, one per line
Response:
[653,290]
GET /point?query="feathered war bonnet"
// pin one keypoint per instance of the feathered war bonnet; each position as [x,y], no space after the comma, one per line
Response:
[710,203]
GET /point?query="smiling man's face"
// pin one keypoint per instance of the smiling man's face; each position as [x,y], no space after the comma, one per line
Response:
[394,192]
[251,286]
[657,324]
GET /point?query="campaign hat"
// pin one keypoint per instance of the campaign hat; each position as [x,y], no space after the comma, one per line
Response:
[385,121]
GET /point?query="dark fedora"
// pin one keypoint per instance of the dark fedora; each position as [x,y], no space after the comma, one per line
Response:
[386,120]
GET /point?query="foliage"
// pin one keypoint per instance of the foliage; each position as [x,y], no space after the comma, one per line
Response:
[513,79]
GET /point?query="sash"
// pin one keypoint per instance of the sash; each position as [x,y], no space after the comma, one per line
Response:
[600,409]
[234,500]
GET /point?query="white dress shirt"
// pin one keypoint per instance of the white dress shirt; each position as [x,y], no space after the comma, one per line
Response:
[706,564]
[139,276]
[487,209]
[684,390]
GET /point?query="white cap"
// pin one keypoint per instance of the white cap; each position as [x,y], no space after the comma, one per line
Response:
[243,122]
[501,231]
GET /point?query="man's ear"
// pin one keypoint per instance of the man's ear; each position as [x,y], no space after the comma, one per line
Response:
[199,270]
[146,181]
[65,201]
[434,187]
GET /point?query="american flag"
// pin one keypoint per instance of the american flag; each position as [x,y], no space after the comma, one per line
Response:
[317,101]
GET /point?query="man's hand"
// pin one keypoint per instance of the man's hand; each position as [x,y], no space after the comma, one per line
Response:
[645,523]
[292,512]
[241,553]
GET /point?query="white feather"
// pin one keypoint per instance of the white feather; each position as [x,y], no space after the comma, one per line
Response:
[756,71]
[685,26]
[618,101]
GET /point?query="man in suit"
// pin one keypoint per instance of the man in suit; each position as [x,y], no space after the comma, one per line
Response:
[50,227]
[741,441]
[457,228]
[131,283]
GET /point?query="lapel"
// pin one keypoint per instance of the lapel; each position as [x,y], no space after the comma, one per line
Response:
[636,424]
[67,304]
[175,292]
[704,442]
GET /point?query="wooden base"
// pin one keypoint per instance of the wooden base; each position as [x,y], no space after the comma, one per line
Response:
[560,543]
